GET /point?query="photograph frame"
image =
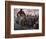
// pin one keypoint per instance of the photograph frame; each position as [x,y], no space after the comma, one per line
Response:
[8,19]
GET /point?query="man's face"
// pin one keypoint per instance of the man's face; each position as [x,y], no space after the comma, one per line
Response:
[20,9]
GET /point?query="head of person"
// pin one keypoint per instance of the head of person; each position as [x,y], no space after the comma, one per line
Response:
[20,9]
